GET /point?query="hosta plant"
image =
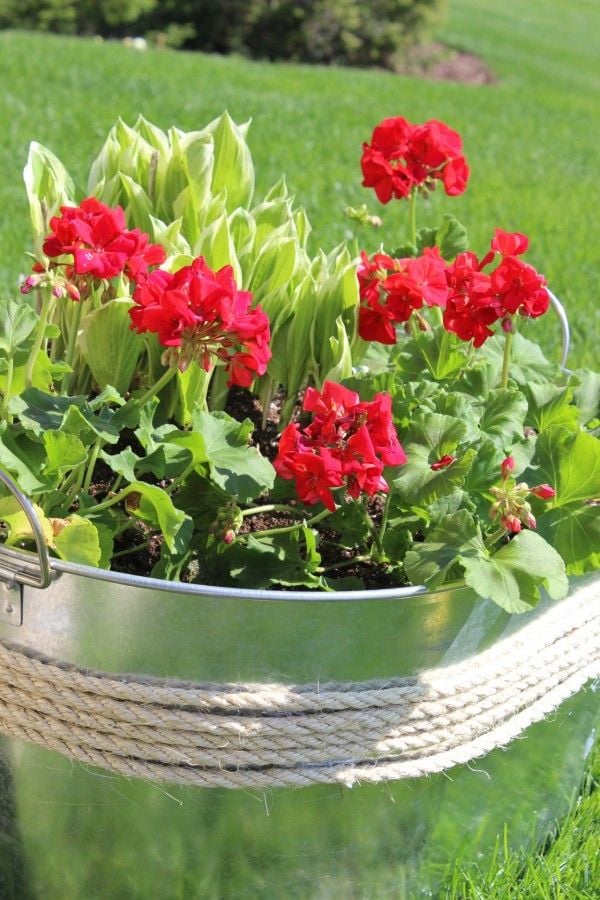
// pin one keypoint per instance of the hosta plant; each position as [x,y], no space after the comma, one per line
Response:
[189,391]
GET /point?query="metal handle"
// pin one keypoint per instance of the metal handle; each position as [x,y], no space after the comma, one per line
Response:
[566,331]
[22,566]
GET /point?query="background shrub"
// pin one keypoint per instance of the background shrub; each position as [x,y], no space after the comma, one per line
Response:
[345,32]
[104,17]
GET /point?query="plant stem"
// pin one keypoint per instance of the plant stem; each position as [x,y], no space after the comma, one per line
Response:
[272,507]
[131,550]
[106,504]
[344,564]
[506,359]
[287,529]
[495,537]
[412,217]
[384,516]
[39,338]
[72,344]
[10,369]
[157,386]
[180,478]
[92,464]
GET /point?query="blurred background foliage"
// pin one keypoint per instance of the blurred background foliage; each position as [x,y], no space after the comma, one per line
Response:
[345,32]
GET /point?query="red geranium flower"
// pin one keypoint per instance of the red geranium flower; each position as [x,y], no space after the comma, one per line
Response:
[390,289]
[98,243]
[403,156]
[476,300]
[200,315]
[347,443]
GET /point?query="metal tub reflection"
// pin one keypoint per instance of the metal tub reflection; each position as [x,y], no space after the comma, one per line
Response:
[70,832]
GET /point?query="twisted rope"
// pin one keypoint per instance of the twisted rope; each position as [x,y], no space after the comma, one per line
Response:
[265,735]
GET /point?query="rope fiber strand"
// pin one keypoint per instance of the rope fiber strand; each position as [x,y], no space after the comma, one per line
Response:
[269,735]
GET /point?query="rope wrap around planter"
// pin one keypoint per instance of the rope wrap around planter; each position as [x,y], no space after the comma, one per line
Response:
[268,735]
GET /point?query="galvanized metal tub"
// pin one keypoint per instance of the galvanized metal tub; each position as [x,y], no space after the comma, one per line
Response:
[72,832]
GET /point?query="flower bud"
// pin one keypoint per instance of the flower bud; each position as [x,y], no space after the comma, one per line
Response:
[511,523]
[442,463]
[29,284]
[58,290]
[73,292]
[229,536]
[529,520]
[508,325]
[543,491]
[507,466]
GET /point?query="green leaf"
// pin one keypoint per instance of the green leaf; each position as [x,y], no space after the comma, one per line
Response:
[49,186]
[122,463]
[587,395]
[485,469]
[109,346]
[17,523]
[236,467]
[429,562]
[527,362]
[570,463]
[430,437]
[451,238]
[40,411]
[503,415]
[436,352]
[550,406]
[17,321]
[233,168]
[24,459]
[152,504]
[64,451]
[261,562]
[512,578]
[575,534]
[78,541]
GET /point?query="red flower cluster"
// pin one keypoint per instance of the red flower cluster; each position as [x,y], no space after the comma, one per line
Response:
[477,299]
[390,289]
[403,156]
[200,315]
[348,443]
[100,245]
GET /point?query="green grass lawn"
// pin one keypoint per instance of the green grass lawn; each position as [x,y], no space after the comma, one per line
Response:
[532,142]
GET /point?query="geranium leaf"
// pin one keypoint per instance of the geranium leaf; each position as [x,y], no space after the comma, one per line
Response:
[438,353]
[587,395]
[78,541]
[503,414]
[570,463]
[17,321]
[263,562]
[236,467]
[122,463]
[549,406]
[24,459]
[575,533]
[64,451]
[451,238]
[428,562]
[18,524]
[513,576]
[527,362]
[150,503]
